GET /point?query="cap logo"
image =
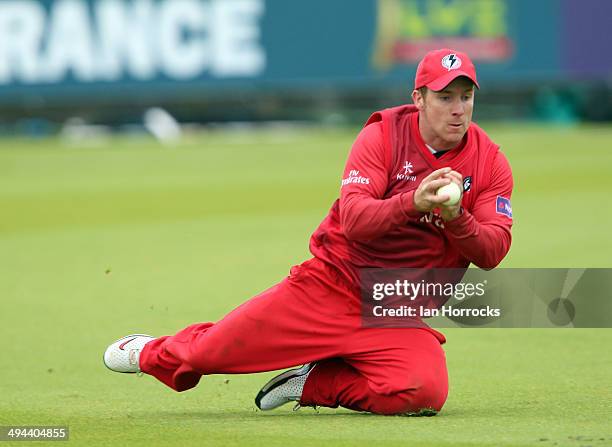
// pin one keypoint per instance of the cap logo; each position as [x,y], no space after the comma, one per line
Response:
[451,62]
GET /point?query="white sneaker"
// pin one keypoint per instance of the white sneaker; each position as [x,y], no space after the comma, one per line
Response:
[284,388]
[123,355]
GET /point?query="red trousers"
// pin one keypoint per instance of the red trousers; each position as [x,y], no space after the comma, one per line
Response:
[312,315]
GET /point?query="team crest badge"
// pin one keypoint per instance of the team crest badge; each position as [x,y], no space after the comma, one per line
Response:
[467,183]
[451,62]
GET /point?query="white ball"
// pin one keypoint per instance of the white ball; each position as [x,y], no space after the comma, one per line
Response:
[452,190]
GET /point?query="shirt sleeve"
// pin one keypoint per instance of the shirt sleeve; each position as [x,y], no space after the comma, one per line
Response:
[364,213]
[484,235]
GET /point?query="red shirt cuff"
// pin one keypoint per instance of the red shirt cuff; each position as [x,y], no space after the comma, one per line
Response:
[407,205]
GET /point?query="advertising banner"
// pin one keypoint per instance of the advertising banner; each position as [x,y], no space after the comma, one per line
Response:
[69,49]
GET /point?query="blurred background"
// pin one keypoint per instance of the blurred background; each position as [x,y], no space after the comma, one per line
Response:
[65,64]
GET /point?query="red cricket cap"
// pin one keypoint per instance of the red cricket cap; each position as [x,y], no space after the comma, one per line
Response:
[440,67]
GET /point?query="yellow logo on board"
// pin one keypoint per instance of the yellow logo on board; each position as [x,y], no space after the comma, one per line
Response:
[407,29]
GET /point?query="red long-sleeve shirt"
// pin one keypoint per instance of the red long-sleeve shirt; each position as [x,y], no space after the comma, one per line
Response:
[374,222]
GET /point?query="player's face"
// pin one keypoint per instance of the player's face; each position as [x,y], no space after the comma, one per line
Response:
[446,115]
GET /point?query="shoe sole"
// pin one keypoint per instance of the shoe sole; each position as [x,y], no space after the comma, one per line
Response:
[123,338]
[280,380]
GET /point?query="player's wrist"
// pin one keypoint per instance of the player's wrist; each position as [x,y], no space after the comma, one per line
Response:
[408,205]
[450,215]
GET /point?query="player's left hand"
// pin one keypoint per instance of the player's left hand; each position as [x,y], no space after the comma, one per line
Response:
[450,212]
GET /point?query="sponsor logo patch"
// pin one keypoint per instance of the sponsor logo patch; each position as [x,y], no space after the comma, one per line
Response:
[408,170]
[354,177]
[503,206]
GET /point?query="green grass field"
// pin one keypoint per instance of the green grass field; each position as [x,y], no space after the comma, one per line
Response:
[107,239]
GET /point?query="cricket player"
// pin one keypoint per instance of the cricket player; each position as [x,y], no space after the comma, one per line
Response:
[388,216]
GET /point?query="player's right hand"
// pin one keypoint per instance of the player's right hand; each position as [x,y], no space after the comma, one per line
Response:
[425,198]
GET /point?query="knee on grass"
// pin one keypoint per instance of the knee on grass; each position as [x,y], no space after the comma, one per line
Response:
[424,400]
